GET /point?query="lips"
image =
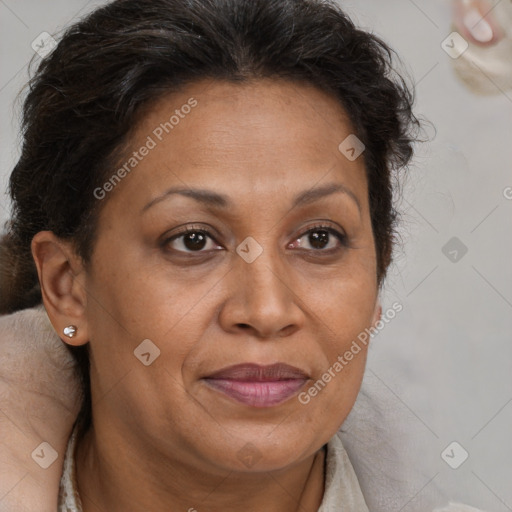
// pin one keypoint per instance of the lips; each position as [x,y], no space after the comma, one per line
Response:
[258,386]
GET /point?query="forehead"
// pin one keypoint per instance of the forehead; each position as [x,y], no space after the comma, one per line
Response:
[262,138]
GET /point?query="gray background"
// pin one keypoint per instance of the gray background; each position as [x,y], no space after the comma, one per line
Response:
[445,360]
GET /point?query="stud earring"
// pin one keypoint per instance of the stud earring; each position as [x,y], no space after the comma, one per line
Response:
[70,331]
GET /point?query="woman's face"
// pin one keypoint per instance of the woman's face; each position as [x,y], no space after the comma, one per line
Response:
[258,167]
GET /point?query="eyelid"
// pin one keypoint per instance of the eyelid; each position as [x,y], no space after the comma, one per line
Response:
[191,228]
[326,227]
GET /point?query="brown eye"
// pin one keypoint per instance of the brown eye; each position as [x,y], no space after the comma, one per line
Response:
[321,239]
[192,240]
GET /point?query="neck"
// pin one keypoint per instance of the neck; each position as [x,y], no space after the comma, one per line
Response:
[117,472]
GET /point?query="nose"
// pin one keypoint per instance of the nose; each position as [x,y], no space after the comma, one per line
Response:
[263,299]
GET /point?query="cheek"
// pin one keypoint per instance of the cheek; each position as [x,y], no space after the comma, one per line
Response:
[329,397]
[128,306]
[345,312]
[346,304]
[327,402]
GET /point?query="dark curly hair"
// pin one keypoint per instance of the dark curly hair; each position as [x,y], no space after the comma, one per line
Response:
[88,94]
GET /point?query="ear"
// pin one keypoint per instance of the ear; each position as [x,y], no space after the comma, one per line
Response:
[377,313]
[62,280]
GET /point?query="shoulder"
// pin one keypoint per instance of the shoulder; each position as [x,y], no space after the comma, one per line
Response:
[374,487]
[395,457]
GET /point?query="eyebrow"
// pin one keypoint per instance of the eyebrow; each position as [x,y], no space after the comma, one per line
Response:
[215,199]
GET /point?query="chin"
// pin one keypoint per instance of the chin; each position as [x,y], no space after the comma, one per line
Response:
[271,448]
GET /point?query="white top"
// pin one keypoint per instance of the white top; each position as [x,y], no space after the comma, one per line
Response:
[69,499]
[342,491]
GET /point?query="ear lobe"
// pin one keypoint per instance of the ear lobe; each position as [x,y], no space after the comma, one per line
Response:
[60,274]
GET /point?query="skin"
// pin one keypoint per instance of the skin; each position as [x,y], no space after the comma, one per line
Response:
[163,439]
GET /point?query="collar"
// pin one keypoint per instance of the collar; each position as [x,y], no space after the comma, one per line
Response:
[342,491]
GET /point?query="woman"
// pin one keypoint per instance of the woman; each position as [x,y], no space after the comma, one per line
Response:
[203,204]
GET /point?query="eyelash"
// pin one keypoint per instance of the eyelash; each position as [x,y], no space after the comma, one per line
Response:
[342,238]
